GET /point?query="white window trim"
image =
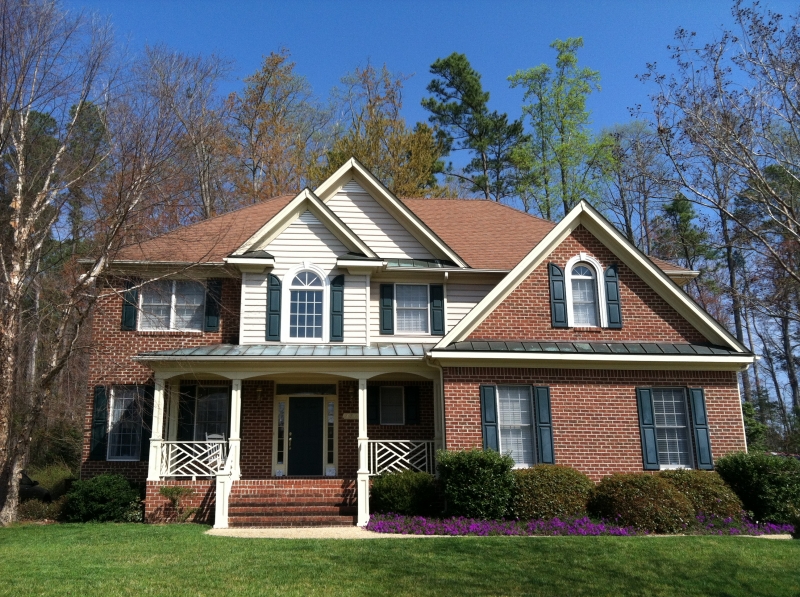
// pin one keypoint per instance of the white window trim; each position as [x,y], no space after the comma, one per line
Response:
[286,304]
[534,438]
[599,287]
[427,311]
[380,406]
[172,306]
[110,424]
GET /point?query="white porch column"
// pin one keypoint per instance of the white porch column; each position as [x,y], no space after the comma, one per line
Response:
[362,483]
[236,422]
[156,437]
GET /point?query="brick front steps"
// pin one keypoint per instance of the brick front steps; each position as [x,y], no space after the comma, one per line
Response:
[292,502]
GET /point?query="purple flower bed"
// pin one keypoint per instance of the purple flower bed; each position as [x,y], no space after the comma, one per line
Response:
[418,525]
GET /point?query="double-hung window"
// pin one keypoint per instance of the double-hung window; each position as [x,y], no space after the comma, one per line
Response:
[167,305]
[584,296]
[392,405]
[516,424]
[125,423]
[672,428]
[306,306]
[211,412]
[411,308]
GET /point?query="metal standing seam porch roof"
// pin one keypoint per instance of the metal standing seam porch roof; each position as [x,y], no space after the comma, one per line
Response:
[620,348]
[261,351]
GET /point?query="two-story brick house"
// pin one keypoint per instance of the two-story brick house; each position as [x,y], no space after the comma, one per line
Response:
[276,357]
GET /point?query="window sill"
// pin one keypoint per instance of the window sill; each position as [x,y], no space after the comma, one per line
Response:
[588,330]
[169,333]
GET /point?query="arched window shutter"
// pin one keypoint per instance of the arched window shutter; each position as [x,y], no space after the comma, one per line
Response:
[544,426]
[130,306]
[647,428]
[411,404]
[273,308]
[437,309]
[99,440]
[613,306]
[702,437]
[491,439]
[213,299]
[373,405]
[558,296]
[337,309]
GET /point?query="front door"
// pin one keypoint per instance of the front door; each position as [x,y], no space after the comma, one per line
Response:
[305,436]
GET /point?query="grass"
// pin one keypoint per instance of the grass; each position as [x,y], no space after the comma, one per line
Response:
[107,559]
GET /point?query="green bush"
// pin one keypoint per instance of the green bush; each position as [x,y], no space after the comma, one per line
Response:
[706,491]
[477,483]
[550,491]
[105,498]
[769,486]
[409,492]
[647,502]
[38,510]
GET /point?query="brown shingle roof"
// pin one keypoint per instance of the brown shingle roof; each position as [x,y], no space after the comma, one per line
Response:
[208,241]
[485,234]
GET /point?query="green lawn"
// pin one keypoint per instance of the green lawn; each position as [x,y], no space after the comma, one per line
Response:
[134,559]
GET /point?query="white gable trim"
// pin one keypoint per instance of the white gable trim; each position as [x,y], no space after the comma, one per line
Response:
[306,201]
[585,215]
[354,170]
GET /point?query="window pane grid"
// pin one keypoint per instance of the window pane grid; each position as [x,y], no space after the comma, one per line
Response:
[172,305]
[211,415]
[516,424]
[672,429]
[125,425]
[411,304]
[392,411]
[305,317]
[584,300]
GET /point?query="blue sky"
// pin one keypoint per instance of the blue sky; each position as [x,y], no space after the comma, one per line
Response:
[328,39]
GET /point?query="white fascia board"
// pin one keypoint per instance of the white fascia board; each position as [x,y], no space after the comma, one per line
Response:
[584,214]
[407,218]
[250,265]
[454,358]
[305,201]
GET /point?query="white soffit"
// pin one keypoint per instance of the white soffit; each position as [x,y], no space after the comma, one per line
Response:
[585,215]
[306,201]
[354,170]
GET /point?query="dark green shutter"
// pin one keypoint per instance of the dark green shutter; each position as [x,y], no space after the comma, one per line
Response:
[130,306]
[99,442]
[387,309]
[489,418]
[647,428]
[273,308]
[411,400]
[437,310]
[213,299]
[373,405]
[702,438]
[147,421]
[337,309]
[187,402]
[544,426]
[613,307]
[558,296]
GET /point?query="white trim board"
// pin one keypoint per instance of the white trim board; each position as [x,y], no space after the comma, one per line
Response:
[354,170]
[585,215]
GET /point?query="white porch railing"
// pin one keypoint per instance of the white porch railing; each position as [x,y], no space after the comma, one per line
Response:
[391,456]
[192,459]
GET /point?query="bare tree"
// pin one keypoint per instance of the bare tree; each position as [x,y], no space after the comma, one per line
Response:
[53,65]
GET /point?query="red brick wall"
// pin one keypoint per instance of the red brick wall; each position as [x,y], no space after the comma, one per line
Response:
[257,415]
[157,508]
[595,418]
[348,429]
[525,313]
[111,361]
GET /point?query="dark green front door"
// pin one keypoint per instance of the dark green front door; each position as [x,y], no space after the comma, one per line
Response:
[305,436]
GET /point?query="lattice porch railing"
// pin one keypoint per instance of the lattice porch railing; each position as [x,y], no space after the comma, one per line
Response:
[192,459]
[391,456]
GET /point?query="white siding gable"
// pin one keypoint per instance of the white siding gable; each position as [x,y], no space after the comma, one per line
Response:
[374,225]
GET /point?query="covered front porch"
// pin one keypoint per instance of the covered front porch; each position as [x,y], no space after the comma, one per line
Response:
[291,437]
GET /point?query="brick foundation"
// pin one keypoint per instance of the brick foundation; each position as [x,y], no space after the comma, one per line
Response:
[595,417]
[158,509]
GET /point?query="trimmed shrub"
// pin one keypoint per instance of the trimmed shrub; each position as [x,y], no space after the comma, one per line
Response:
[550,491]
[646,502]
[105,498]
[707,493]
[477,483]
[409,492]
[769,486]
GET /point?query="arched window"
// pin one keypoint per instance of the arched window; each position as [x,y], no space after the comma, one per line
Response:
[306,305]
[584,296]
